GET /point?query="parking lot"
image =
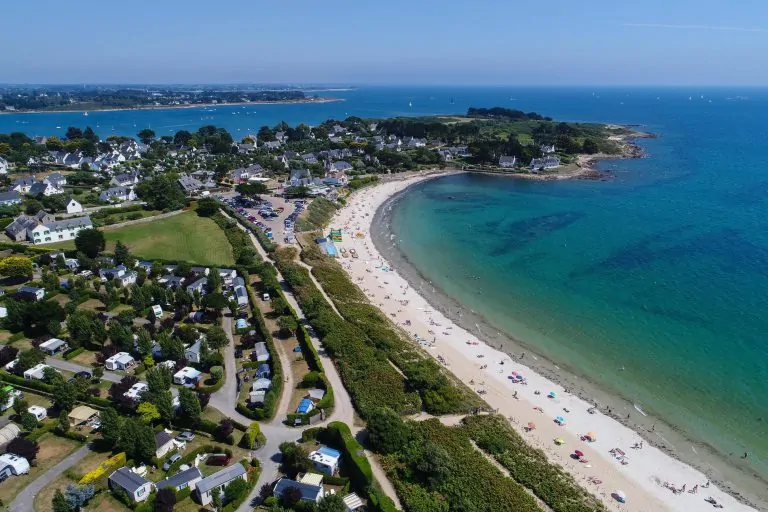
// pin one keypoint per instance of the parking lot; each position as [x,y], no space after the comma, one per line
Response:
[274,215]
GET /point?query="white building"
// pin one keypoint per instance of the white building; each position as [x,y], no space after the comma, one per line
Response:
[119,361]
[137,487]
[187,376]
[53,345]
[219,480]
[3,166]
[136,391]
[58,231]
[326,460]
[163,443]
[36,372]
[73,206]
[40,413]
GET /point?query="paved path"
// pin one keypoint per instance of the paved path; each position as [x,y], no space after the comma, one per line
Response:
[74,368]
[24,502]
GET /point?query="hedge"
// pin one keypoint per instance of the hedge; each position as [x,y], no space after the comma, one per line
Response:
[104,469]
[253,477]
[213,387]
[44,429]
[308,349]
[73,353]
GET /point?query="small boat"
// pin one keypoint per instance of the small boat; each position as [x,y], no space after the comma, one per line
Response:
[85,114]
[410,103]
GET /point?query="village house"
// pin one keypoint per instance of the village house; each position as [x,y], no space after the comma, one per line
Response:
[45,189]
[126,179]
[507,161]
[3,166]
[219,480]
[56,231]
[326,460]
[12,465]
[192,353]
[22,185]
[189,184]
[135,391]
[309,492]
[186,479]
[199,286]
[37,372]
[120,361]
[547,162]
[19,229]
[118,195]
[30,293]
[187,377]
[137,487]
[163,443]
[73,206]
[309,158]
[53,346]
[260,352]
[56,179]
[9,198]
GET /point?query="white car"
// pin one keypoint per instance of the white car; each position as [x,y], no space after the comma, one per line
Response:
[85,273]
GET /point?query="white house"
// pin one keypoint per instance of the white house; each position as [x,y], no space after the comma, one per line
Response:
[118,195]
[187,376]
[260,352]
[137,487]
[157,310]
[507,161]
[9,198]
[73,206]
[548,162]
[219,480]
[227,275]
[22,185]
[186,479]
[40,413]
[163,443]
[53,345]
[56,179]
[308,492]
[3,166]
[36,372]
[242,296]
[58,231]
[126,179]
[119,361]
[198,285]
[13,465]
[192,352]
[46,189]
[136,391]
[325,460]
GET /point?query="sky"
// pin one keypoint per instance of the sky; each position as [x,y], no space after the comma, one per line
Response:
[483,42]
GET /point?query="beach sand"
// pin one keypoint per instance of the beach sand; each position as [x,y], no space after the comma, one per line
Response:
[642,479]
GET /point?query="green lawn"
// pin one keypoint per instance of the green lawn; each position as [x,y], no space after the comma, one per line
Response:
[181,237]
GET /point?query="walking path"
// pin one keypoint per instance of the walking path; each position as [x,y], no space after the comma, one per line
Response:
[24,502]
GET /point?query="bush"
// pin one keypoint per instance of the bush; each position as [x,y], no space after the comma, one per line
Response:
[73,353]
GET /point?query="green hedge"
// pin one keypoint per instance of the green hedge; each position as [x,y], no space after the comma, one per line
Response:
[42,430]
[357,465]
[308,350]
[73,353]
[213,387]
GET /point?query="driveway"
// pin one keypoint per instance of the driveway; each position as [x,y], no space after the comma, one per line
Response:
[24,502]
[74,368]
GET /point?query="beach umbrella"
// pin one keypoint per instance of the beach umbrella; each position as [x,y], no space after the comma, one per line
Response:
[560,420]
[559,441]
[531,425]
[591,436]
[552,394]
[620,496]
[578,453]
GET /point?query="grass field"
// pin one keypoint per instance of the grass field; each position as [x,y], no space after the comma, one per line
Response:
[181,237]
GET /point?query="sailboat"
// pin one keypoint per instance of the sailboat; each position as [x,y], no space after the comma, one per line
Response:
[410,103]
[85,114]
[452,101]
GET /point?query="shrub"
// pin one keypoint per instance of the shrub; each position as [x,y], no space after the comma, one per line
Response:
[104,470]
[71,354]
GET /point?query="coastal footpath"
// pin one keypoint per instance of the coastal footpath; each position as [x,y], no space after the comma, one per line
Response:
[650,478]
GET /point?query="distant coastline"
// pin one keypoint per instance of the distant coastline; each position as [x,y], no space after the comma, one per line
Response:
[177,107]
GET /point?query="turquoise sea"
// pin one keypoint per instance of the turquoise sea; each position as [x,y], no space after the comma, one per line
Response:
[661,270]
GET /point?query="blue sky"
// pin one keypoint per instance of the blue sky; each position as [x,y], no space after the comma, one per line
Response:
[558,42]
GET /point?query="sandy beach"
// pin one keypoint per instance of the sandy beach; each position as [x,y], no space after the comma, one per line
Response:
[647,475]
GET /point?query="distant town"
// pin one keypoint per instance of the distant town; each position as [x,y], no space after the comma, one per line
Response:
[62,98]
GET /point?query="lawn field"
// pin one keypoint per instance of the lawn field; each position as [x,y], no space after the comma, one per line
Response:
[181,237]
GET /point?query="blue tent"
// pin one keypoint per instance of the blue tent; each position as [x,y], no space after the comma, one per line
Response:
[305,406]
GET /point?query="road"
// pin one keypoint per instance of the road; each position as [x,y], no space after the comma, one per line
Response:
[24,502]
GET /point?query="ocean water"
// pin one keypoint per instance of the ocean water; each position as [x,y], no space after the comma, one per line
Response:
[653,284]
[662,270]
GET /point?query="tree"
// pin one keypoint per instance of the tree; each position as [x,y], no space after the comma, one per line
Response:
[110,426]
[236,491]
[215,301]
[295,458]
[74,133]
[159,379]
[122,256]
[387,433]
[251,189]
[182,138]
[59,503]
[78,495]
[137,440]
[190,406]
[164,402]
[7,354]
[28,421]
[64,396]
[291,496]
[165,500]
[217,372]
[214,280]
[23,447]
[207,207]
[216,498]
[162,193]
[331,503]
[28,359]
[19,404]
[216,337]
[224,429]
[64,422]
[590,147]
[90,242]
[16,266]
[149,412]
[146,135]
[144,342]
[98,373]
[287,324]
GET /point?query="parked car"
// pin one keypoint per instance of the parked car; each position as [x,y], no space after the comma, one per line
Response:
[84,375]
[218,459]
[185,436]
[173,458]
